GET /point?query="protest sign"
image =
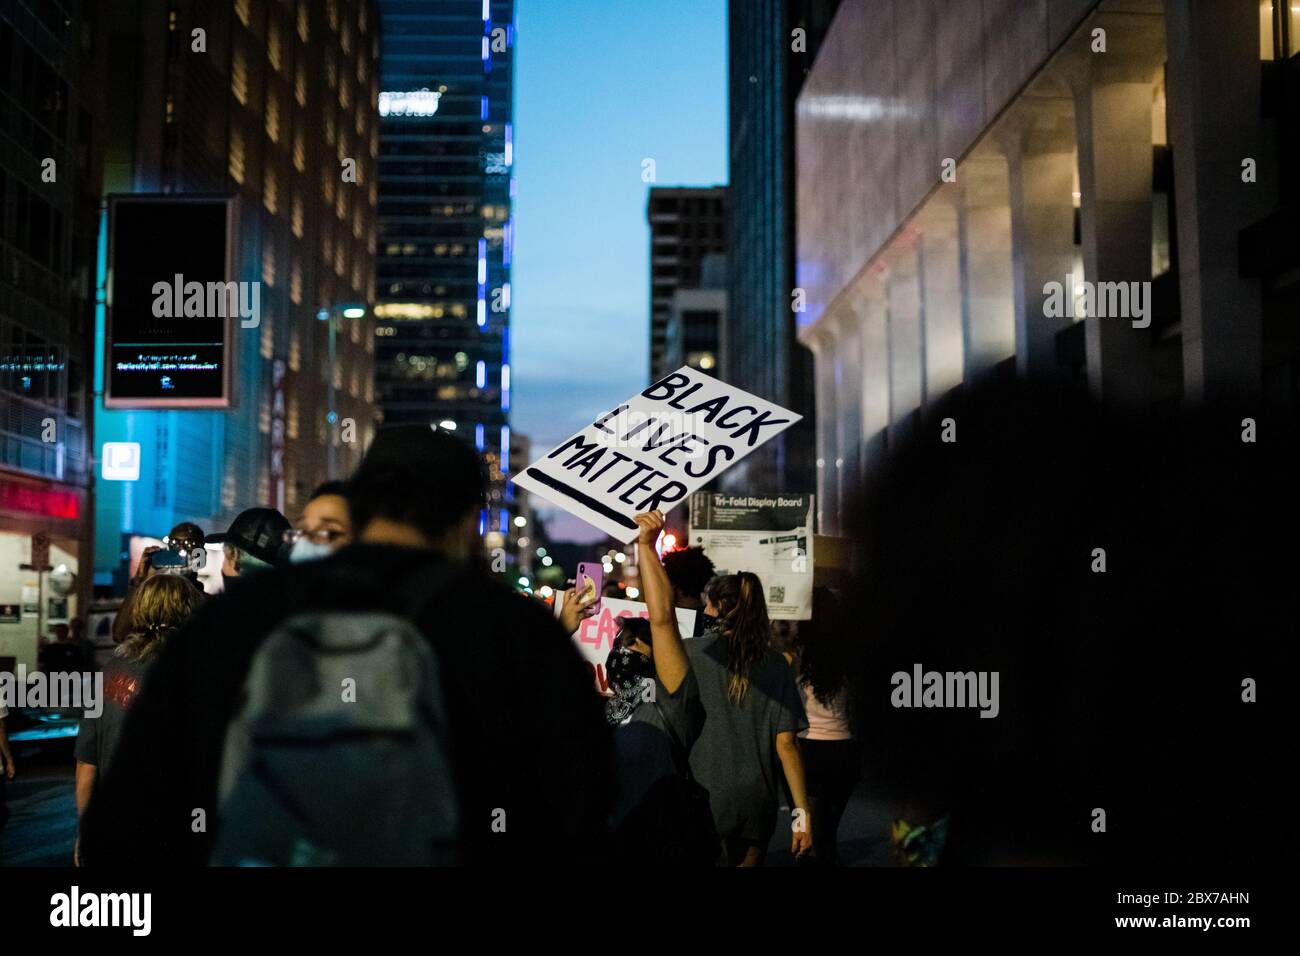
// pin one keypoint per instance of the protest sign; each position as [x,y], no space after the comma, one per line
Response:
[595,636]
[770,535]
[653,450]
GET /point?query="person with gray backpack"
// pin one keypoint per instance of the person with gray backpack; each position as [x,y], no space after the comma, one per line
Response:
[391,704]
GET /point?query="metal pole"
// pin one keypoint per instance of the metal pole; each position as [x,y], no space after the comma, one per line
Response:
[332,415]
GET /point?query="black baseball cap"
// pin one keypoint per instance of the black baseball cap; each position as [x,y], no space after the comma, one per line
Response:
[258,531]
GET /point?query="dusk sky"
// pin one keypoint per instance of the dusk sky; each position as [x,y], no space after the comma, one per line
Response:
[600,87]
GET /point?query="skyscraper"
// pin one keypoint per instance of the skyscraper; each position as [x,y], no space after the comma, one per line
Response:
[50,170]
[272,103]
[446,156]
[687,223]
[772,45]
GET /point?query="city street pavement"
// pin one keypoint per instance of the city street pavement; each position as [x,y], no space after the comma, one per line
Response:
[42,824]
[42,817]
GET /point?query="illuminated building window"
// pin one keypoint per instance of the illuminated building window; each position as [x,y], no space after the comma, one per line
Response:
[345,38]
[332,13]
[272,117]
[236,161]
[329,127]
[345,92]
[270,191]
[300,84]
[295,348]
[268,264]
[291,415]
[299,151]
[295,282]
[239,77]
[244,10]
[295,216]
[302,20]
[331,70]
[273,50]
[268,338]
[327,184]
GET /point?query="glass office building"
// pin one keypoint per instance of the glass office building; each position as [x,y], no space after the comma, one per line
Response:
[772,46]
[445,190]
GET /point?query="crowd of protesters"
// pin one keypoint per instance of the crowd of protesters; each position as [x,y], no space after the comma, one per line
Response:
[685,763]
[365,691]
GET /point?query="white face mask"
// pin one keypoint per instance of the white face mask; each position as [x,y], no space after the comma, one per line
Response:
[305,549]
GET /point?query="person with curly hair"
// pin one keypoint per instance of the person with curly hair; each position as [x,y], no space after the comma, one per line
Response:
[689,572]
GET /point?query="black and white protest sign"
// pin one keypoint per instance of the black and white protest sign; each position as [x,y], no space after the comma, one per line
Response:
[653,450]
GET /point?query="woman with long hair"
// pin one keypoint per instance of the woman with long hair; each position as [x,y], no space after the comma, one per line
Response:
[754,714]
[832,756]
[156,609]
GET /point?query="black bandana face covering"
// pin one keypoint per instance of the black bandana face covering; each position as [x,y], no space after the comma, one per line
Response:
[626,670]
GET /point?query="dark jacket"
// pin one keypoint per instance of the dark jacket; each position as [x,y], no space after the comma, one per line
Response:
[526,729]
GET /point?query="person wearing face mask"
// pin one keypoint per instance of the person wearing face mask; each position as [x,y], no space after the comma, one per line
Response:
[523,734]
[656,716]
[325,524]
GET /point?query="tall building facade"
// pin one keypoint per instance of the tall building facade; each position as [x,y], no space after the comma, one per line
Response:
[687,223]
[772,46]
[1094,192]
[273,103]
[446,226]
[51,156]
[697,319]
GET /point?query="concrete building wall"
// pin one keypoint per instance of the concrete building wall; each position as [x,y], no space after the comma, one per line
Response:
[958,160]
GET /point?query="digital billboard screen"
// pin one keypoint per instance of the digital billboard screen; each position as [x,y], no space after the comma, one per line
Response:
[171,304]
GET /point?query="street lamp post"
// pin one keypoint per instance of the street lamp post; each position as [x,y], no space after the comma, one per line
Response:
[330,316]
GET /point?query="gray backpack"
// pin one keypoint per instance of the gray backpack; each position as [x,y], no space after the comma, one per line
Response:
[338,755]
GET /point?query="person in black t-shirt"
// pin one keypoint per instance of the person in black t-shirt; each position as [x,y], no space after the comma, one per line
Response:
[528,744]
[689,572]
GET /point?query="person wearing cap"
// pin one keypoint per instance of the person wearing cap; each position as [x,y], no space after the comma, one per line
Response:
[254,542]
[524,730]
